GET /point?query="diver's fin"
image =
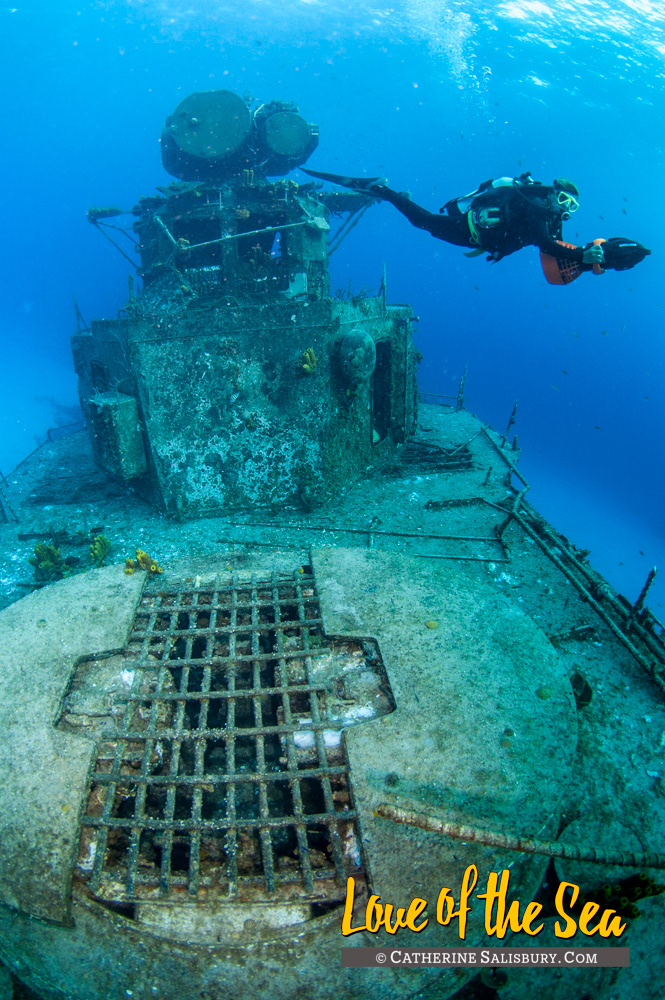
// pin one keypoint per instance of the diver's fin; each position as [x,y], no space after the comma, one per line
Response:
[355,183]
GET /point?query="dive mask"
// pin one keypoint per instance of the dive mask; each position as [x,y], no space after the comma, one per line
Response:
[568,202]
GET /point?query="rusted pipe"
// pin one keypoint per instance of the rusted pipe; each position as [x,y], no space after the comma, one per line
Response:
[637,606]
[524,845]
[460,391]
[510,424]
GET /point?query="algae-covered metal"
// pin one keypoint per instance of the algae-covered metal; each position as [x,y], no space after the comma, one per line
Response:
[214,134]
[213,351]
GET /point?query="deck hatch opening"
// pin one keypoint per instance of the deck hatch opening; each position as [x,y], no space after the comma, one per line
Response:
[221,771]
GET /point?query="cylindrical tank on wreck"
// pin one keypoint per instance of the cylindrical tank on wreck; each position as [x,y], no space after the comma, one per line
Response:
[214,134]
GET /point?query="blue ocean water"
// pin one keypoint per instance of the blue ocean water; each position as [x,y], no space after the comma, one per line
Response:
[437,96]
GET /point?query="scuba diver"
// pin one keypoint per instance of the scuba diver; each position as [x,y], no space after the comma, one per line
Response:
[504,215]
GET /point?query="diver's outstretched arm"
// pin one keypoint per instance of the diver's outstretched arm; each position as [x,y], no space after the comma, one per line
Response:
[442,227]
[616,254]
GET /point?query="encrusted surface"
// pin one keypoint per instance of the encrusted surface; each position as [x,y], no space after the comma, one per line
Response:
[234,419]
[44,771]
[470,737]
[411,510]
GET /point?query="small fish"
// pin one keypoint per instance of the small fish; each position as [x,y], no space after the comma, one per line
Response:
[640,552]
[234,398]
[597,428]
[563,371]
[604,333]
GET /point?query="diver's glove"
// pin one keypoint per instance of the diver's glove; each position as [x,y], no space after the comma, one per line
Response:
[594,254]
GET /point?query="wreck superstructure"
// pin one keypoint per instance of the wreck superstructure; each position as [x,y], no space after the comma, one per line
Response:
[360,619]
[234,379]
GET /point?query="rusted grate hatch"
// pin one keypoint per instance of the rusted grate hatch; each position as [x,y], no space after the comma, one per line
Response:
[225,773]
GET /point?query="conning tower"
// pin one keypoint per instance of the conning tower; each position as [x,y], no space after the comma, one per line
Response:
[234,379]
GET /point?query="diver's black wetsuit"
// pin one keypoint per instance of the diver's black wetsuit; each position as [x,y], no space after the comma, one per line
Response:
[499,218]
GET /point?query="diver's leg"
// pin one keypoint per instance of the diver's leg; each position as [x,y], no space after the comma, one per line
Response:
[452,229]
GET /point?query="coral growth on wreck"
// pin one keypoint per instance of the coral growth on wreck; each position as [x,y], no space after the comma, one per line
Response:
[49,564]
[309,362]
[143,561]
[99,549]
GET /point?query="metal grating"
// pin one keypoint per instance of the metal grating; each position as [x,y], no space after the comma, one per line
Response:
[428,457]
[211,785]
